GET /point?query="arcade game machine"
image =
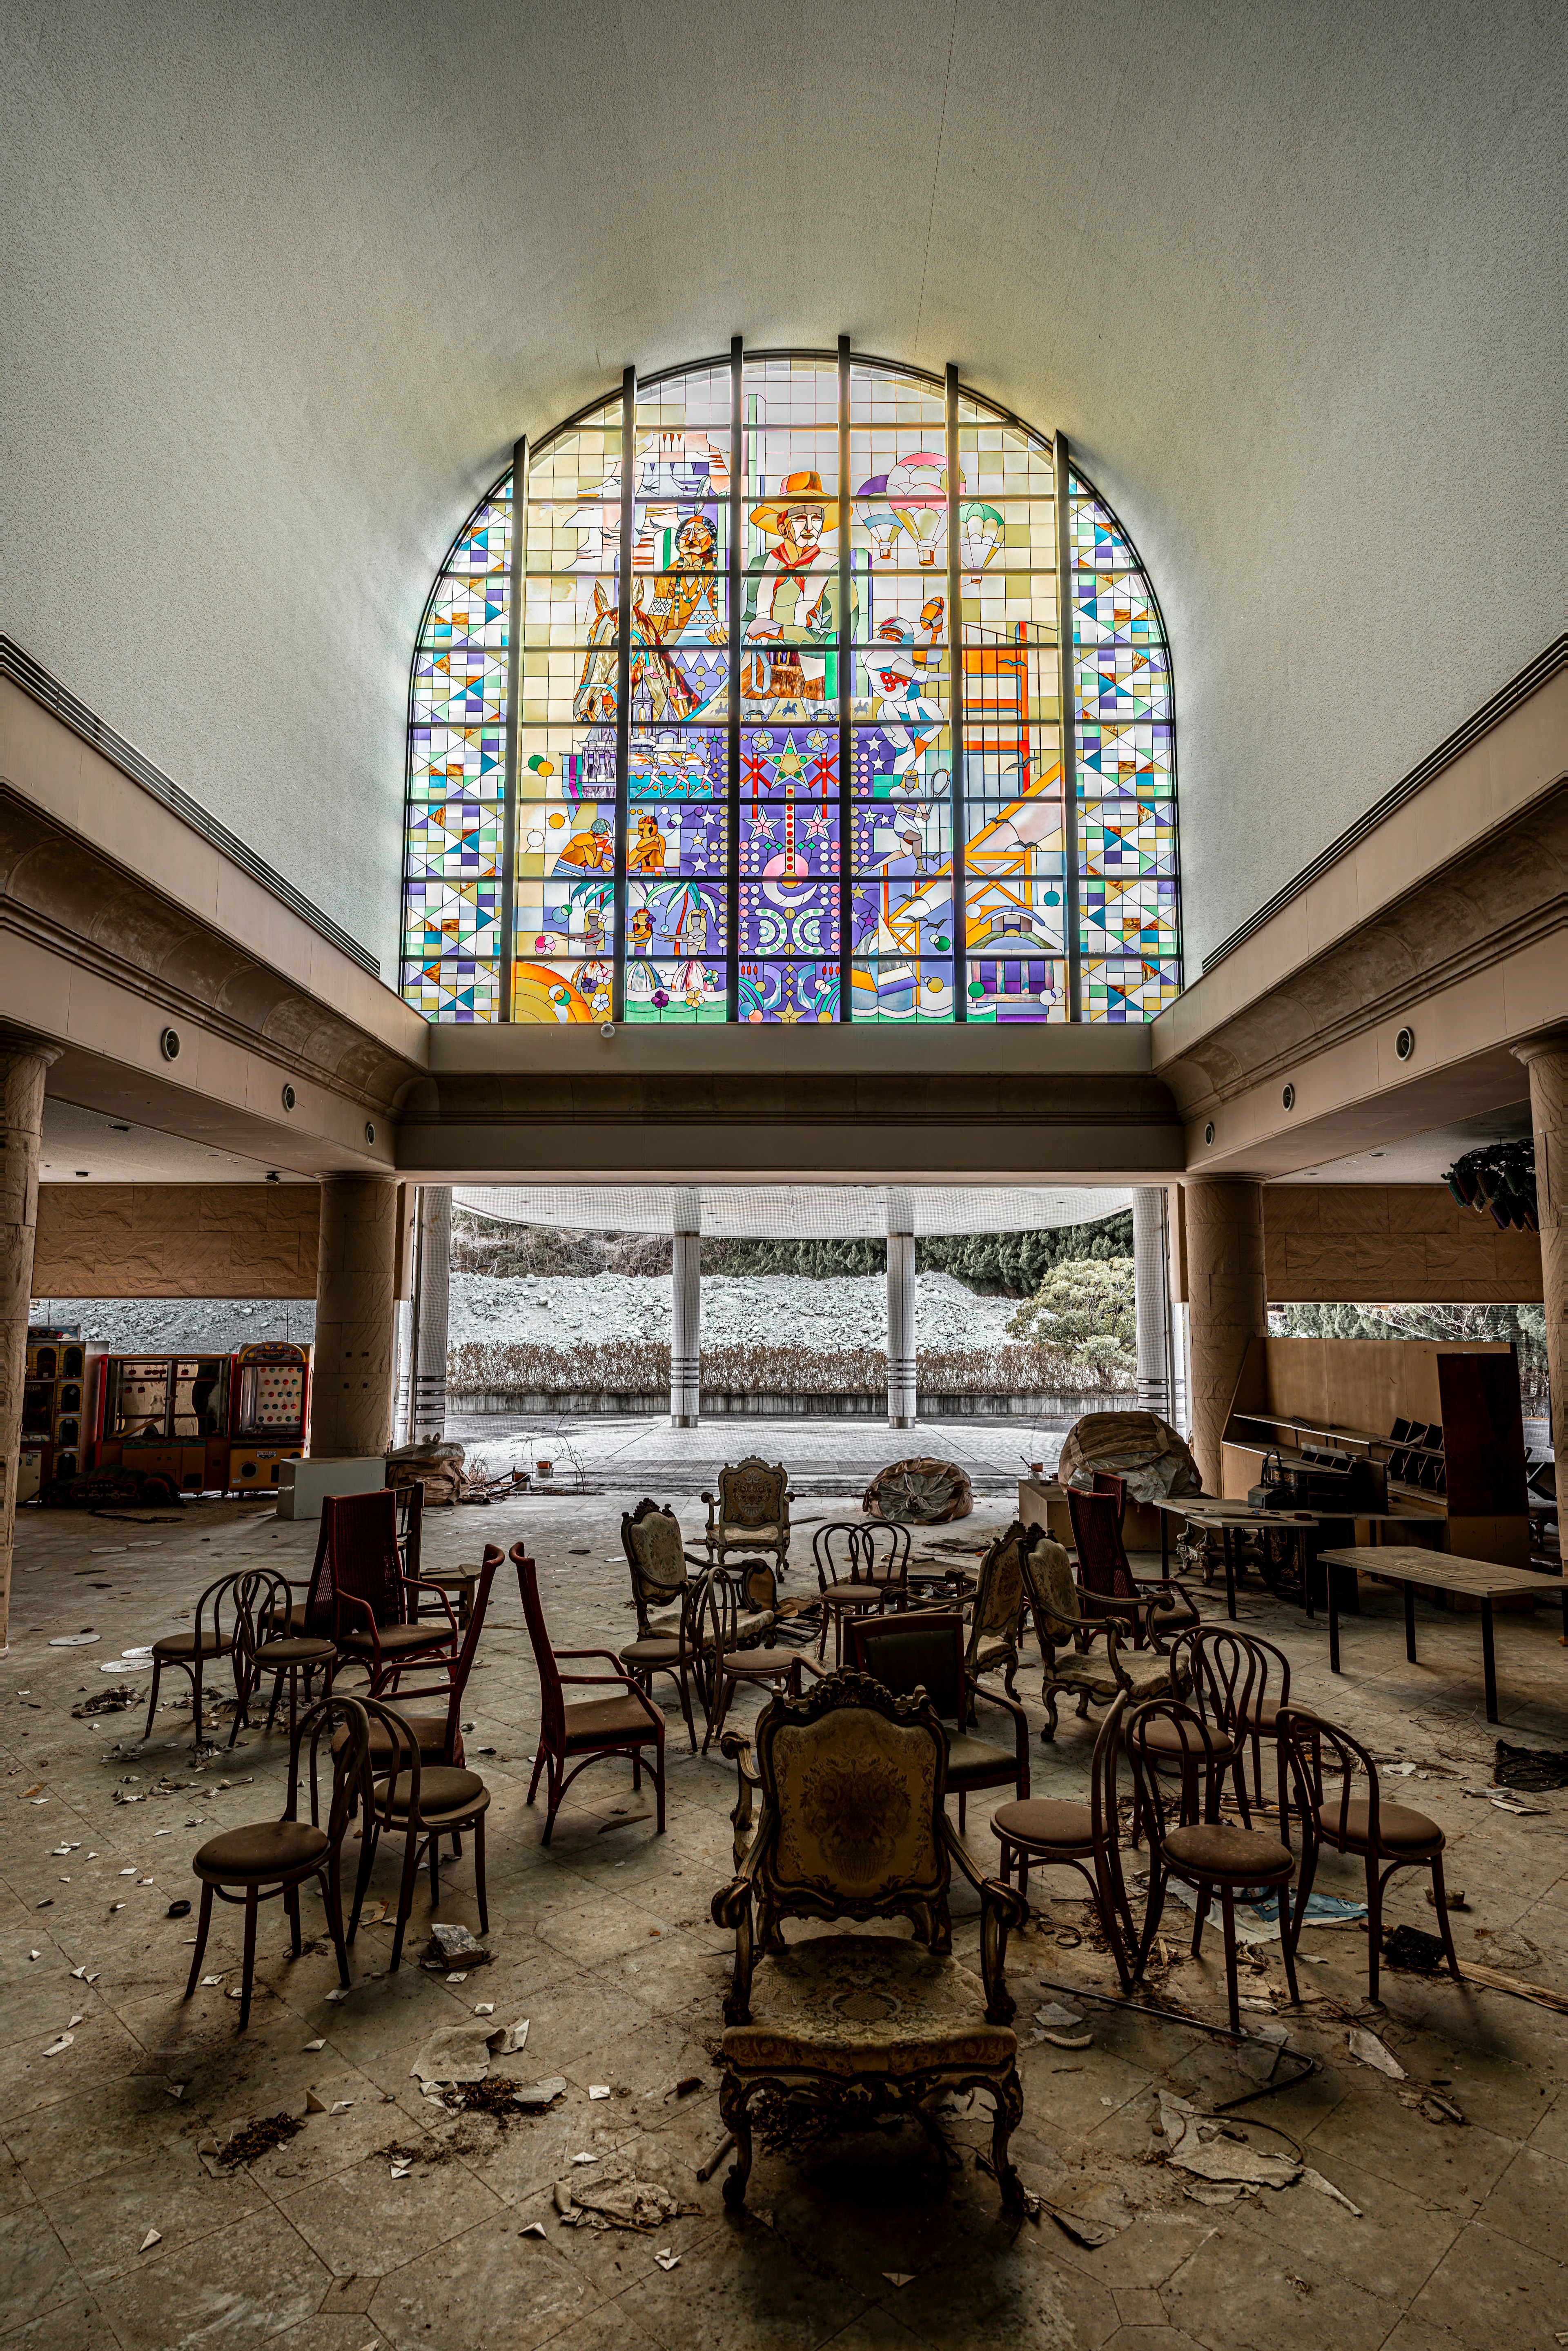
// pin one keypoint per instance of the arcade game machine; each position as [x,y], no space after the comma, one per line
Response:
[55,1407]
[271,1393]
[167,1415]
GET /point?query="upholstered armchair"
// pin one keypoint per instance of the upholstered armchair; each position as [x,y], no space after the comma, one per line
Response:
[660,1565]
[852,1825]
[750,1512]
[1093,1674]
[1002,1595]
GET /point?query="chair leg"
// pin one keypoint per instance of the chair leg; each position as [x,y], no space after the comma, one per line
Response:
[153,1701]
[1441,1904]
[539,1767]
[1288,1945]
[433,1853]
[1228,1919]
[196,1701]
[657,1769]
[733,2114]
[1199,1915]
[369,1837]
[1153,1912]
[552,1803]
[405,1895]
[682,1680]
[332,1897]
[479,1872]
[291,1911]
[276,1694]
[204,1921]
[1105,1909]
[1374,1925]
[251,1900]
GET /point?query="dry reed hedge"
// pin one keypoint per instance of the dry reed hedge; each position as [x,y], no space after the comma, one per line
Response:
[640,1366]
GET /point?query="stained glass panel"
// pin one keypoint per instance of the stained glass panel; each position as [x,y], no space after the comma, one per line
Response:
[624,894]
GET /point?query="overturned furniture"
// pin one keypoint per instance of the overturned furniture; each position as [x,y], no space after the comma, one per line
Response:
[920,1492]
[852,1825]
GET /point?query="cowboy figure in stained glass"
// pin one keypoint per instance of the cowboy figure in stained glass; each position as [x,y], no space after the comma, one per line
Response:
[792,603]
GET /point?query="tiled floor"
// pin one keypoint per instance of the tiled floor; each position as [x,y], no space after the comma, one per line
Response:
[604,1943]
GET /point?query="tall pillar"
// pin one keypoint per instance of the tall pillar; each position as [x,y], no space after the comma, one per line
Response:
[685,1330]
[356,1286]
[1152,1289]
[1228,1304]
[431,1309]
[903,1401]
[23,1064]
[1547,1061]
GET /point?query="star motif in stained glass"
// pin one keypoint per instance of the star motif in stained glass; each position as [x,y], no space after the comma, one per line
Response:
[790,763]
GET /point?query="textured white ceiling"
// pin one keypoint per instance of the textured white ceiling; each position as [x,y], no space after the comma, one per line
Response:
[796,1211]
[284,282]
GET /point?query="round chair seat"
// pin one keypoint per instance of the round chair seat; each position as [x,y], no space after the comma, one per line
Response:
[430,1730]
[655,1651]
[1264,1717]
[744,1665]
[261,1849]
[1398,1828]
[1163,1738]
[394,1640]
[184,1644]
[1039,1820]
[277,1656]
[443,1789]
[1216,1849]
[855,1595]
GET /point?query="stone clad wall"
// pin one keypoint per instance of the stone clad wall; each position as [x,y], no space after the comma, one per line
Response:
[1391,1244]
[176,1240]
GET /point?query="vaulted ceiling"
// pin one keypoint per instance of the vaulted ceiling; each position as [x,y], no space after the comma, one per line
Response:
[285,282]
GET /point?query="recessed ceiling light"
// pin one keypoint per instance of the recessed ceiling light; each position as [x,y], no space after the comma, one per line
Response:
[118,1130]
[83,1171]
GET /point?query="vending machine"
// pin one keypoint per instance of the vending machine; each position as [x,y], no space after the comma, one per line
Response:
[55,1407]
[167,1415]
[272,1400]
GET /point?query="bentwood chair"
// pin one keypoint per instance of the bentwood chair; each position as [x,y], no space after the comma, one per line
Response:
[576,1732]
[733,1598]
[428,1711]
[1384,1837]
[214,1622]
[862,1568]
[1046,1832]
[267,1858]
[1188,1839]
[267,1647]
[423,1802]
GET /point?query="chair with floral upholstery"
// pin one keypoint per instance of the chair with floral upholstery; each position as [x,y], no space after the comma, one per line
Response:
[1068,1638]
[660,1578]
[997,1610]
[846,2028]
[750,1512]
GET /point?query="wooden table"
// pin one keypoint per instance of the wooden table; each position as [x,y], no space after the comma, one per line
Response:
[1424,1570]
[1210,1510]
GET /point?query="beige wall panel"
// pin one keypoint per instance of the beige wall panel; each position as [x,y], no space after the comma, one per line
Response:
[1394,1245]
[177,1240]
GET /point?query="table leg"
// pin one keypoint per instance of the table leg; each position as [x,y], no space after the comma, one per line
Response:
[1164,1544]
[1333,1621]
[1410,1591]
[1307,1561]
[1229,1537]
[1488,1659]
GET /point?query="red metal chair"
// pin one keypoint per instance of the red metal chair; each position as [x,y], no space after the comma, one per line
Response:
[576,1732]
[360,1598]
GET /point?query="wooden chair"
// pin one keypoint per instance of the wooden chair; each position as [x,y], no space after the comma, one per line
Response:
[1094,1676]
[733,1600]
[1046,1832]
[267,1858]
[361,1600]
[574,1733]
[862,1567]
[1190,1840]
[660,1567]
[429,1713]
[853,1826]
[1385,1837]
[750,1512]
[423,1802]
[997,1608]
[208,1639]
[924,1650]
[266,1645]
[1153,1605]
[1232,1675]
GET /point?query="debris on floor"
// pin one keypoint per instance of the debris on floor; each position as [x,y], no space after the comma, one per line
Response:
[454,2052]
[256,2138]
[1370,2050]
[1060,2027]
[537,2097]
[1217,2152]
[1536,1768]
[616,2198]
[455,1946]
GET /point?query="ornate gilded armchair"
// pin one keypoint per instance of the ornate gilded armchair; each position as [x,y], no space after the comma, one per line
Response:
[750,1512]
[852,1825]
[997,1610]
[655,1553]
[1093,1676]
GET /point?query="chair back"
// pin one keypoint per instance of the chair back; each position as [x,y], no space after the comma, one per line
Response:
[852,1551]
[726,1593]
[356,1557]
[1174,1789]
[1048,1572]
[410,1524]
[262,1599]
[1304,1737]
[552,1706]
[753,1493]
[352,1782]
[922,1651]
[1000,1595]
[655,1554]
[1230,1673]
[452,1673]
[1102,1566]
[853,1783]
[1105,1482]
[218,1604]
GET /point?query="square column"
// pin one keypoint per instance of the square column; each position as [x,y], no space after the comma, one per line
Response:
[23,1064]
[1547,1062]
[356,1319]
[1228,1305]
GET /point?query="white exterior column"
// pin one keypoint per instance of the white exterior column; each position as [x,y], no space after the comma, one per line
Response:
[902,1399]
[685,1330]
[1151,1276]
[432,1304]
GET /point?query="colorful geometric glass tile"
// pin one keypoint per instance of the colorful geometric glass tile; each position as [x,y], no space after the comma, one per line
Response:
[789,870]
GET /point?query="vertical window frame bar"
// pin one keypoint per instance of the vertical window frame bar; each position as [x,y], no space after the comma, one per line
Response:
[512,772]
[736,602]
[1068,698]
[846,703]
[624,682]
[957,780]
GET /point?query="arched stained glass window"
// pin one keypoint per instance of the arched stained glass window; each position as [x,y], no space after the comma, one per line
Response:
[729,767]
